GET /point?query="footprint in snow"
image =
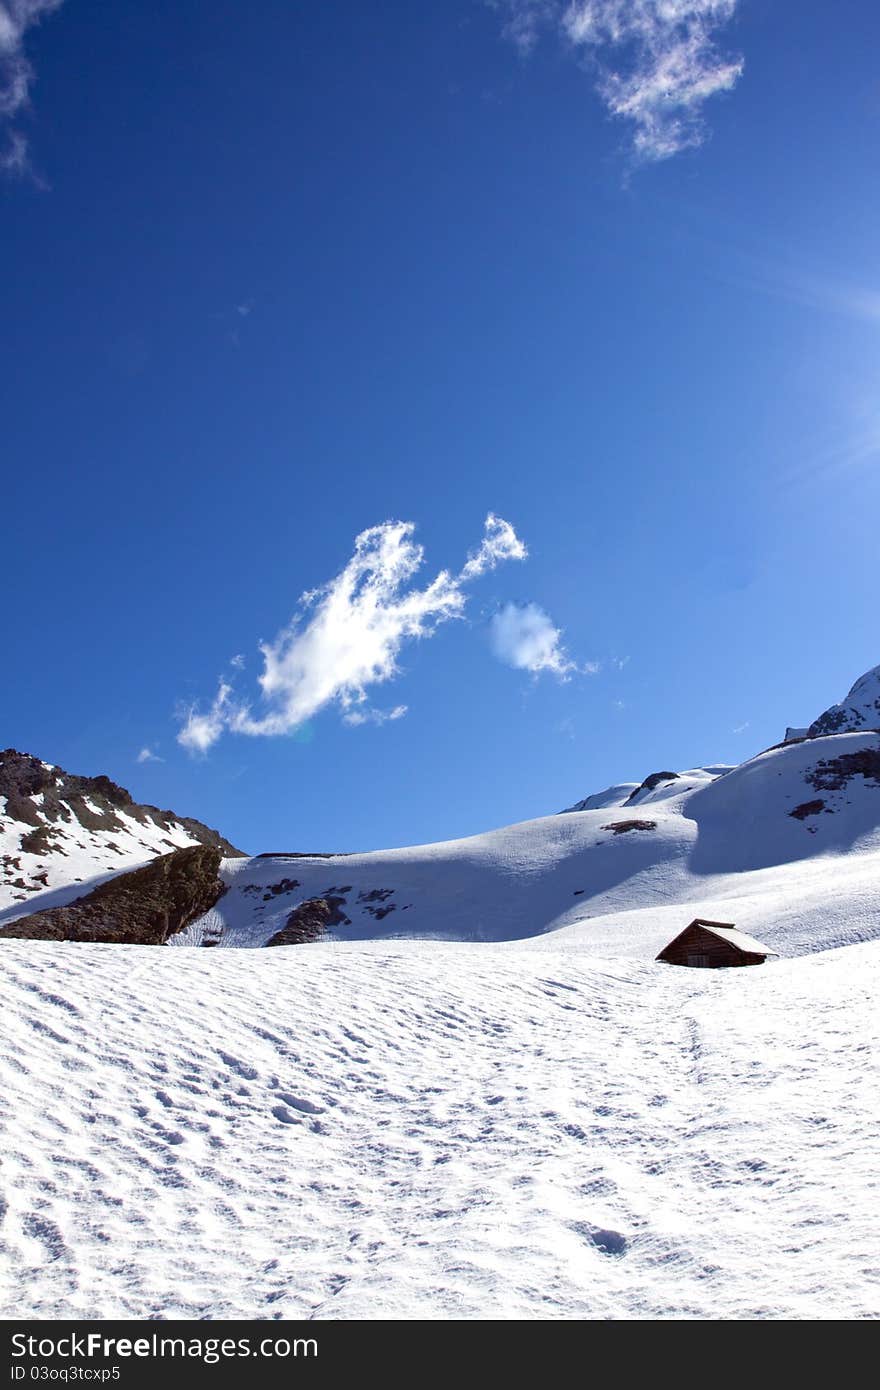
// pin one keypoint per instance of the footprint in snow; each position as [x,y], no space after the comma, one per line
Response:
[282,1114]
[241,1069]
[41,1229]
[607,1242]
[307,1107]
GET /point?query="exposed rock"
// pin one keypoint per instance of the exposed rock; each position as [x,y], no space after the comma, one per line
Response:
[832,774]
[143,907]
[303,854]
[859,711]
[309,921]
[807,808]
[287,885]
[649,784]
[620,827]
[92,801]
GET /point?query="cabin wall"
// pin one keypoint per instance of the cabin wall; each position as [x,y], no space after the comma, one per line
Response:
[717,953]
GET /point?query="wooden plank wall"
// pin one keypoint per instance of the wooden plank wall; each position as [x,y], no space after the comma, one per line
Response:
[698,941]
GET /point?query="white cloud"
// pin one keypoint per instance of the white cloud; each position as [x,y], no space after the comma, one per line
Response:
[347,635]
[655,61]
[146,755]
[356,717]
[523,636]
[523,20]
[201,730]
[500,542]
[238,661]
[16,75]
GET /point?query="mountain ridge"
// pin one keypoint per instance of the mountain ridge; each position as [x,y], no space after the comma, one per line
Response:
[702,838]
[59,828]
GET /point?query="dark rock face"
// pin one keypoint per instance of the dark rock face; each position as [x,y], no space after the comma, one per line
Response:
[92,801]
[620,827]
[143,907]
[650,783]
[68,805]
[859,711]
[835,721]
[287,885]
[807,808]
[303,854]
[309,921]
[832,774]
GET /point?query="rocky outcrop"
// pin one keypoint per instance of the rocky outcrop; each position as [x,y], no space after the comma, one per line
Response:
[833,774]
[42,798]
[622,827]
[59,830]
[858,712]
[143,907]
[309,921]
[650,784]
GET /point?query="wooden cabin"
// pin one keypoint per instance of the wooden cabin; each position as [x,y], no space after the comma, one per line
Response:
[713,945]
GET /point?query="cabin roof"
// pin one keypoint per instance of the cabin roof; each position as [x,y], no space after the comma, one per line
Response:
[726,931]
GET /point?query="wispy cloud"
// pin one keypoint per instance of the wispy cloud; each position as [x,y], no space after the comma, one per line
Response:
[16,76]
[523,636]
[524,19]
[202,728]
[146,755]
[347,635]
[356,717]
[655,62]
[828,292]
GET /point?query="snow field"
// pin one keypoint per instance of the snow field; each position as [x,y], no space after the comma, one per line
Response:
[436,1130]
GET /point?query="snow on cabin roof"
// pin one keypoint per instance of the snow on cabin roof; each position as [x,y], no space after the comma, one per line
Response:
[740,939]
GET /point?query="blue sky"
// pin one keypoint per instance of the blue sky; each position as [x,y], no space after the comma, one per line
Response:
[275,276]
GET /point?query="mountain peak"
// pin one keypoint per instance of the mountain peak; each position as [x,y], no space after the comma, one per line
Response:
[58,829]
[860,709]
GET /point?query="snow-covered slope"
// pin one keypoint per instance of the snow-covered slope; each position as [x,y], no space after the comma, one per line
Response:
[787,845]
[736,842]
[514,1113]
[784,845]
[653,788]
[437,1131]
[61,832]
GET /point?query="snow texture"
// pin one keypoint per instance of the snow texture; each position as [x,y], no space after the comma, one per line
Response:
[479,1096]
[428,1130]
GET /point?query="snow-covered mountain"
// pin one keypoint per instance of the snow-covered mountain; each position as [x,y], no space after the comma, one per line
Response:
[860,709]
[787,845]
[58,831]
[633,793]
